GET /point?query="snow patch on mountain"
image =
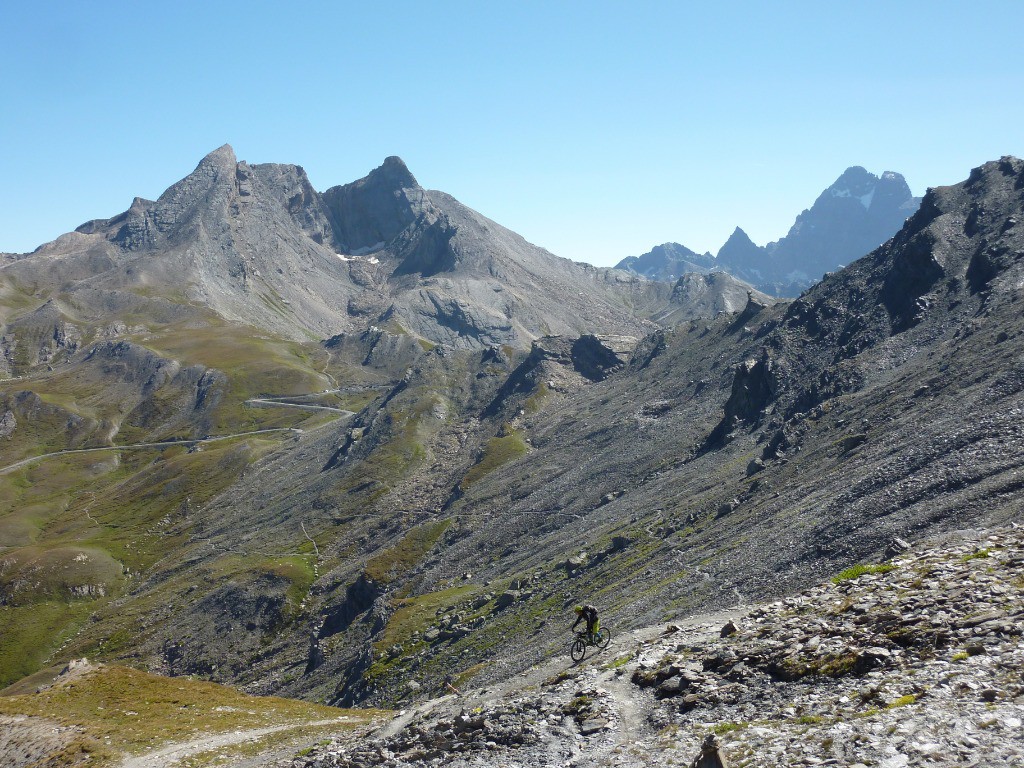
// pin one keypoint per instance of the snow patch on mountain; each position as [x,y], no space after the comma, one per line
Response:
[865,199]
[356,257]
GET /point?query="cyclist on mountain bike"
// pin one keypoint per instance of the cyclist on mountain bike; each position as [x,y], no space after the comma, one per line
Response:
[587,613]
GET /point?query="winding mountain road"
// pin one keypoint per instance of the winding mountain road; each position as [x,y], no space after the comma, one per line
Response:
[141,446]
[265,402]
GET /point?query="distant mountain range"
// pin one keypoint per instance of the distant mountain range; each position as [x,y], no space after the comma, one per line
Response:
[668,262]
[857,213]
[257,245]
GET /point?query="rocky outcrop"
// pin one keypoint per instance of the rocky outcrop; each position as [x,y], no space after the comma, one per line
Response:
[8,423]
[596,357]
[755,385]
[360,596]
[926,642]
[561,364]
[707,295]
[43,336]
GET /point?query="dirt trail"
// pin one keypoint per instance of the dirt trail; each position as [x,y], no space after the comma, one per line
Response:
[172,753]
[266,402]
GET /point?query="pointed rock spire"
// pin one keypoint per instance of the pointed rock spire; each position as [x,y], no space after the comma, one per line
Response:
[371,211]
[222,157]
[392,174]
[739,251]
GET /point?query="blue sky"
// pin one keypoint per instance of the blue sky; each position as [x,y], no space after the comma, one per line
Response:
[594,129]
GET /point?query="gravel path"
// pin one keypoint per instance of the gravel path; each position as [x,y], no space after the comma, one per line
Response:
[172,753]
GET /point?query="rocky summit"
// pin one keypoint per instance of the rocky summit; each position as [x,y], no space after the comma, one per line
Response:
[366,448]
[258,245]
[667,262]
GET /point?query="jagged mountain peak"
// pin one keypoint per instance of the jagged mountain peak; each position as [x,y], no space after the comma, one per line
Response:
[394,170]
[667,262]
[222,155]
[216,169]
[855,173]
[741,255]
[737,238]
[855,182]
[258,245]
[391,176]
[858,183]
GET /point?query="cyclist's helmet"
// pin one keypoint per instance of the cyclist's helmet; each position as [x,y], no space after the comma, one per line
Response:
[578,609]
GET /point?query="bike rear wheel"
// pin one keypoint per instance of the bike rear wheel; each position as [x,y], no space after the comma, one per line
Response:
[578,649]
[603,637]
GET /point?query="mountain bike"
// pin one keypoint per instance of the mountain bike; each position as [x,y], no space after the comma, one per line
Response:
[578,647]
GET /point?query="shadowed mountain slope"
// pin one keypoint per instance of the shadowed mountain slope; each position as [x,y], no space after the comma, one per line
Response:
[731,460]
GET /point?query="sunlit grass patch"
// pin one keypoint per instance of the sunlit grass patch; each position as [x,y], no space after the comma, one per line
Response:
[398,559]
[32,632]
[499,451]
[90,514]
[860,570]
[125,710]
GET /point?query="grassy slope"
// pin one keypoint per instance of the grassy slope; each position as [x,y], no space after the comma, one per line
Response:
[122,710]
[127,509]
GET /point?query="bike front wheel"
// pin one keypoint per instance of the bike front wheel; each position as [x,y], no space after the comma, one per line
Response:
[578,649]
[603,637]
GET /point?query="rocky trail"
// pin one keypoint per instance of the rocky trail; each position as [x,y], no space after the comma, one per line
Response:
[916,661]
[556,713]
